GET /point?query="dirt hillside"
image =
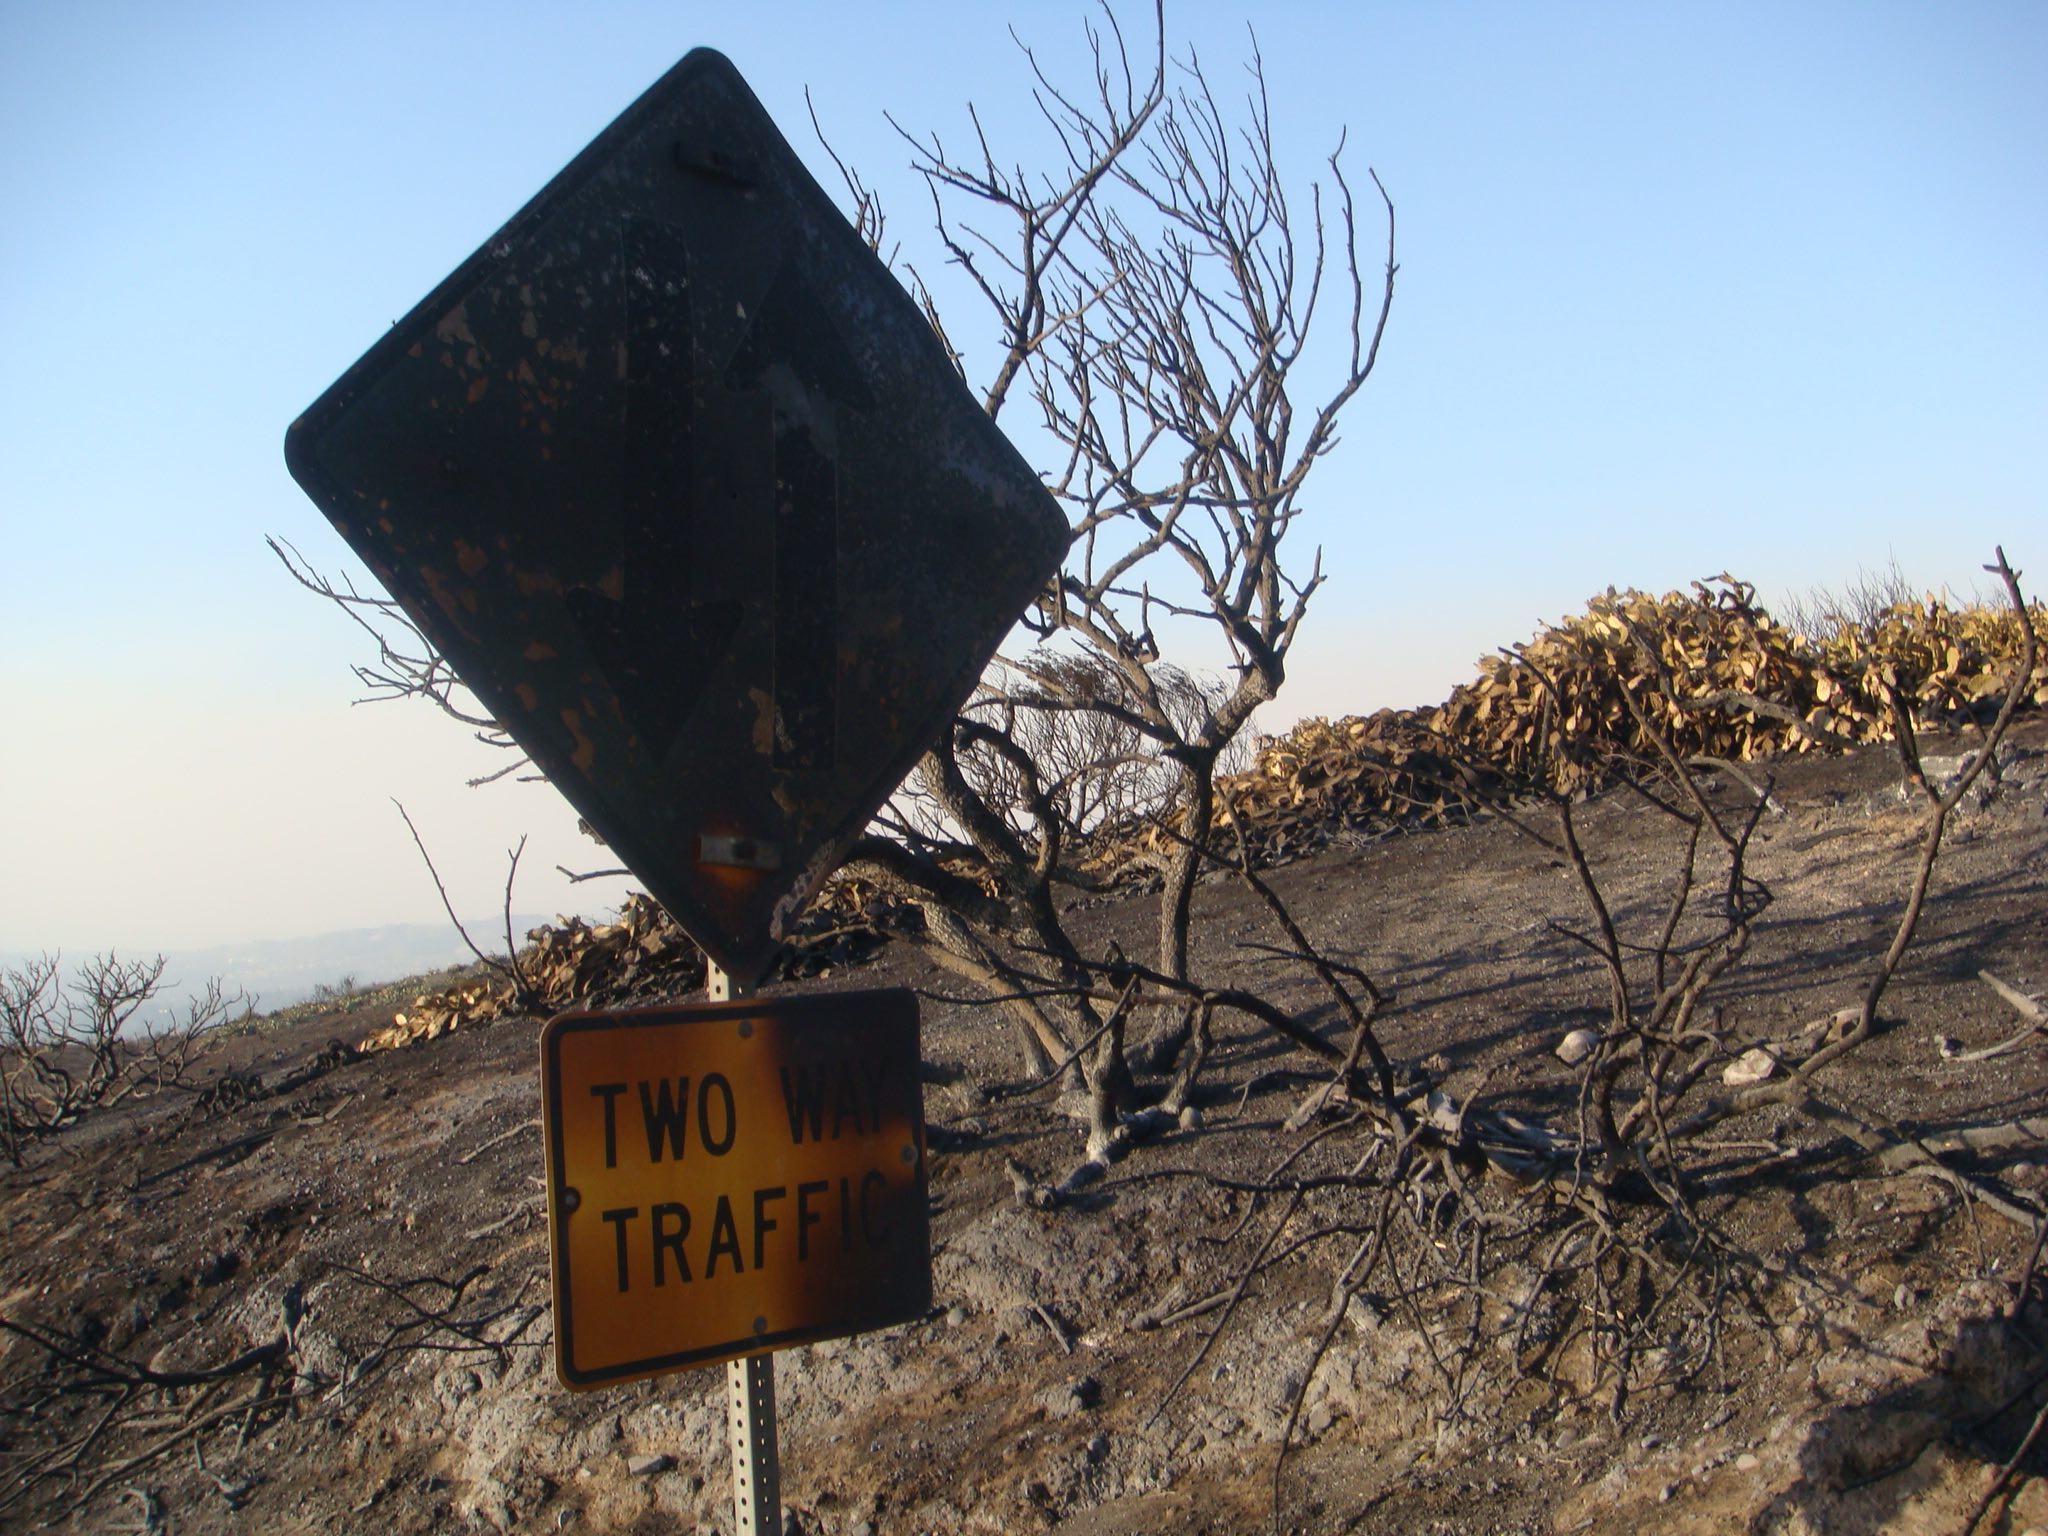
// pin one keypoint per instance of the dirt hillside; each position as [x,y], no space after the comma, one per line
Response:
[317,1299]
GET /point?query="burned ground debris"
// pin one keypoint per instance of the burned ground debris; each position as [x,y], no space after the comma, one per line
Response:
[1533,1319]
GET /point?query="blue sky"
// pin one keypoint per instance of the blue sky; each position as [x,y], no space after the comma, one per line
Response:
[1684,288]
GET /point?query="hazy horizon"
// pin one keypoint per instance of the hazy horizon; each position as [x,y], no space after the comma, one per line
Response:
[279,971]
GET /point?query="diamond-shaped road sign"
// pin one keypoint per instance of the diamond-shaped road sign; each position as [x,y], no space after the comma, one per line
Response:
[680,481]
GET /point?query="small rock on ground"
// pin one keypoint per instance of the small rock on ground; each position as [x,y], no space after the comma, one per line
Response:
[1071,1397]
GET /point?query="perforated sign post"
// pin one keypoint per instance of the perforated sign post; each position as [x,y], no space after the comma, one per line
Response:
[680,482]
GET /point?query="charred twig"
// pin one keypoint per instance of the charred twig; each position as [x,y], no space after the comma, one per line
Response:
[2027,1008]
[496,1141]
[2005,1472]
[576,877]
[1940,806]
[509,966]
[406,665]
[226,1149]
[440,1325]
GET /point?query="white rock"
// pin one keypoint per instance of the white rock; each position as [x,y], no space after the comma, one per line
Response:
[1444,1112]
[1823,1031]
[1752,1066]
[1577,1046]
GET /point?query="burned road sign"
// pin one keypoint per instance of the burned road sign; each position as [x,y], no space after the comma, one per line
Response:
[680,481]
[725,1178]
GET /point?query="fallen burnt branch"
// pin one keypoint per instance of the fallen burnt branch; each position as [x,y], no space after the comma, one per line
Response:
[2025,1006]
[79,1418]
[435,1315]
[229,1090]
[95,1369]
[239,1147]
[91,1416]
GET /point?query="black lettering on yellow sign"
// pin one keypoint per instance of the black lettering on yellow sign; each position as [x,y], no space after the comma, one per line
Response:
[666,1246]
[853,1087]
[664,1242]
[665,1113]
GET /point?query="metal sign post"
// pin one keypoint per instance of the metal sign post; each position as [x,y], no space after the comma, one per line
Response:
[750,1383]
[756,1463]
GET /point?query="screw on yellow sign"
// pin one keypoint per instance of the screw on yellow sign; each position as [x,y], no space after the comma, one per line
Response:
[728,1178]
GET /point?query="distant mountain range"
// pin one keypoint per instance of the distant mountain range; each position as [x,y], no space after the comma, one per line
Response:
[279,972]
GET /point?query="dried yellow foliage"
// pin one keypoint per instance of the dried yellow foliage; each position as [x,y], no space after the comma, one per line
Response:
[1710,670]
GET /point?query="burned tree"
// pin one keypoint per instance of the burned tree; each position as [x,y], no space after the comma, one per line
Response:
[1595,1247]
[70,1048]
[1154,296]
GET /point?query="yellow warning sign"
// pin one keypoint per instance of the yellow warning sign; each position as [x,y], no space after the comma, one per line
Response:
[728,1178]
